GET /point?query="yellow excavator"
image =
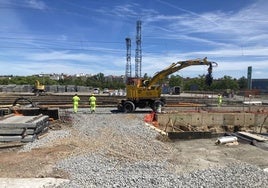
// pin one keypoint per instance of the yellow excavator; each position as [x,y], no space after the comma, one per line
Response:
[38,88]
[142,93]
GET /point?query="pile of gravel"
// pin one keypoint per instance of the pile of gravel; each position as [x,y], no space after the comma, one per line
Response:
[53,135]
[98,171]
[125,153]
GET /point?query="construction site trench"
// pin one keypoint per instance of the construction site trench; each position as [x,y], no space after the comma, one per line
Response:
[112,149]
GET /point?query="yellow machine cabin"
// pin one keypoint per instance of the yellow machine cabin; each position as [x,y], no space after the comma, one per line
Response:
[143,93]
[38,88]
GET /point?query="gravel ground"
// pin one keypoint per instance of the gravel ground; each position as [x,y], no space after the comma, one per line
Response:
[123,152]
[53,135]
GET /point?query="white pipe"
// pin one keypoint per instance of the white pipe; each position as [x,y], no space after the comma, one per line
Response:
[226,139]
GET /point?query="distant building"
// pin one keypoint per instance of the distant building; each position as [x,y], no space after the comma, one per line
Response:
[260,84]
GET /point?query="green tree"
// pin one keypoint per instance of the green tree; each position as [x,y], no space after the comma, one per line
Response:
[242,83]
[175,80]
[4,81]
[227,82]
[100,77]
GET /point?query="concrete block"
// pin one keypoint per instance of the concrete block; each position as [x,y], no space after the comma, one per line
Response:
[261,119]
[250,119]
[212,119]
[228,119]
[183,119]
[164,118]
[239,119]
[197,119]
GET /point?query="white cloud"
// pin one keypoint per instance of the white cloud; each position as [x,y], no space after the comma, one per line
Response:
[233,39]
[65,62]
[212,26]
[36,4]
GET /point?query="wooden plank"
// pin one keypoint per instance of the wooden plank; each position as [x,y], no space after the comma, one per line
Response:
[158,130]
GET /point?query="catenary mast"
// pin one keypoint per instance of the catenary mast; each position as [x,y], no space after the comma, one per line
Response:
[128,58]
[138,56]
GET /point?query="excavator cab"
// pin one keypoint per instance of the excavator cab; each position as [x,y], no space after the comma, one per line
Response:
[38,88]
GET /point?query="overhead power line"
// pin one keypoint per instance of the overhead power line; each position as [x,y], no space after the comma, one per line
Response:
[58,48]
[62,40]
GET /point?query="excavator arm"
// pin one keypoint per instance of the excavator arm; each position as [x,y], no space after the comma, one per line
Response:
[180,65]
[147,93]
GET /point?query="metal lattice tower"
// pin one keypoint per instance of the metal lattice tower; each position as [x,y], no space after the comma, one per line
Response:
[138,55]
[128,58]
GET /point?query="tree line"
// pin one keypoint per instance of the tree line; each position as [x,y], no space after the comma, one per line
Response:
[199,83]
[101,81]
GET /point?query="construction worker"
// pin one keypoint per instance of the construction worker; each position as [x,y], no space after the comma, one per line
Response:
[219,99]
[76,100]
[92,103]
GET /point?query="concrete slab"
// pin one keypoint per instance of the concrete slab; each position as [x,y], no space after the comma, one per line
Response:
[28,138]
[15,131]
[18,119]
[31,182]
[23,121]
[22,128]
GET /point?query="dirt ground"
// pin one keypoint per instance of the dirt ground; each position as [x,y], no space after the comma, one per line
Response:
[191,155]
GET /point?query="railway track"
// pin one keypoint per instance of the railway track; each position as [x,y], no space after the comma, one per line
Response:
[64,100]
[56,100]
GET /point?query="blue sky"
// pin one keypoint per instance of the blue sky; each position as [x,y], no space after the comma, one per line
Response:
[88,36]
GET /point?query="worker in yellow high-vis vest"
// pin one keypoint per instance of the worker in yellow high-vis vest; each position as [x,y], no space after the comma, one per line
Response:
[219,99]
[92,103]
[76,100]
